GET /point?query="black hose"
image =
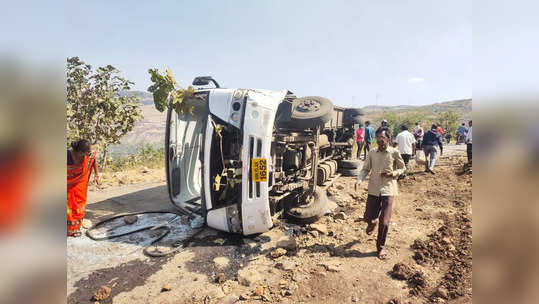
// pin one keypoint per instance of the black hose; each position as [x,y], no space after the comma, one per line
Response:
[165,227]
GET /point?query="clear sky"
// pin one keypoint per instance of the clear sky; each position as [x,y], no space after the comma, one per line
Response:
[356,53]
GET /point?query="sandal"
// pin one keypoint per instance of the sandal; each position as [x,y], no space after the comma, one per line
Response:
[382,254]
[371,226]
[76,233]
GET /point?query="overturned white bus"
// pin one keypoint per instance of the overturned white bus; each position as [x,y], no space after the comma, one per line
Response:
[241,155]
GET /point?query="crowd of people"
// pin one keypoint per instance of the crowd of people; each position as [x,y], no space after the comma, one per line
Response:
[390,161]
[417,140]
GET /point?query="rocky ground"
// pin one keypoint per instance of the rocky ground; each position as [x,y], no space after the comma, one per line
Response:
[330,261]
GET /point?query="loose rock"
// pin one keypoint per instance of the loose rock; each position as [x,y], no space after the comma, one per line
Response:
[86,223]
[221,278]
[166,288]
[441,292]
[102,293]
[340,216]
[298,276]
[331,206]
[216,293]
[333,266]
[225,289]
[401,272]
[286,265]
[248,276]
[320,228]
[230,299]
[278,252]
[288,243]
[259,290]
[221,262]
[130,219]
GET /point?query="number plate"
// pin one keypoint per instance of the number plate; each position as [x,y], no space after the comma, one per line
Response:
[260,169]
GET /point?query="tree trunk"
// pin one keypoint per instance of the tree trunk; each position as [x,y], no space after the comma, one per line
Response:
[104,160]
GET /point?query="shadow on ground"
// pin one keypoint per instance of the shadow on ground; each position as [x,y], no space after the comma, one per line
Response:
[155,198]
[121,278]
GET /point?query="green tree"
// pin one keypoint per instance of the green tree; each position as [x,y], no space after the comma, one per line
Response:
[96,110]
[449,121]
[396,121]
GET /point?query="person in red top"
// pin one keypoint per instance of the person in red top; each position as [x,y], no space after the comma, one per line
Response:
[439,129]
[359,139]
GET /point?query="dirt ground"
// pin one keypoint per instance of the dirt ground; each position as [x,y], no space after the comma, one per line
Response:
[331,261]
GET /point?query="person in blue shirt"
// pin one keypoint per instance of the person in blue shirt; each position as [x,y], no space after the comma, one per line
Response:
[432,139]
[369,135]
[462,130]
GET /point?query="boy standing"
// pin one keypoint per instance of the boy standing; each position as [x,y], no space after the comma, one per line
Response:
[369,134]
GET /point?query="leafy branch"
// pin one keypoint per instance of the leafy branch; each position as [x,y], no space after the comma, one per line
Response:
[166,92]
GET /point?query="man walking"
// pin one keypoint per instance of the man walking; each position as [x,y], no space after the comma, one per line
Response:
[369,135]
[430,141]
[462,130]
[384,164]
[469,143]
[406,141]
[359,140]
[418,133]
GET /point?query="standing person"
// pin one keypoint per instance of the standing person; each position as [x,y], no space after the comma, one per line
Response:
[430,141]
[448,138]
[462,130]
[80,162]
[469,143]
[359,139]
[384,164]
[406,142]
[439,129]
[369,135]
[418,133]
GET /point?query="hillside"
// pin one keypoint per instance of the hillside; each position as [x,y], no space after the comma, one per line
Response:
[462,106]
[146,98]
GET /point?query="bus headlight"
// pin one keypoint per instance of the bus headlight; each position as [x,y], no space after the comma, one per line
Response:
[235,117]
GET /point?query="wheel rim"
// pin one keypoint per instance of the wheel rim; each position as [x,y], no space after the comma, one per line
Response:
[308,105]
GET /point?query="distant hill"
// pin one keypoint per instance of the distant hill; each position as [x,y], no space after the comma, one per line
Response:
[462,106]
[146,98]
[150,130]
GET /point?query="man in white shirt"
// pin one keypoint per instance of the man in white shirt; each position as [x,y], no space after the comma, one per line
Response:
[406,141]
[469,143]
